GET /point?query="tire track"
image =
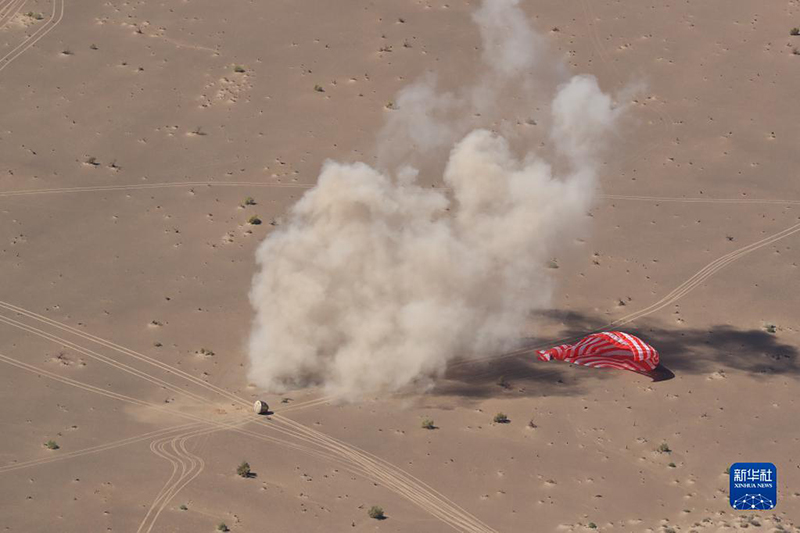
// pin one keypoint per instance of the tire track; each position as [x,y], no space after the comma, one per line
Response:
[8,11]
[698,200]
[679,292]
[93,449]
[55,19]
[104,188]
[366,464]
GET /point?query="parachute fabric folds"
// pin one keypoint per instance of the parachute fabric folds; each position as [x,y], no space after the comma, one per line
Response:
[609,349]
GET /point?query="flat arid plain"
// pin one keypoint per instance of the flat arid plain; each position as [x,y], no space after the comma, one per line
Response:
[139,143]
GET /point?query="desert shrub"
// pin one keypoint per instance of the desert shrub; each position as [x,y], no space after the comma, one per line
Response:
[770,328]
[222,526]
[376,512]
[664,448]
[319,88]
[254,220]
[672,465]
[591,525]
[427,423]
[238,68]
[183,507]
[51,445]
[501,418]
[249,201]
[244,469]
[794,31]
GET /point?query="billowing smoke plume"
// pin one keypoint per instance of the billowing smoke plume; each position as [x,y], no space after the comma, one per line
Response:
[376,282]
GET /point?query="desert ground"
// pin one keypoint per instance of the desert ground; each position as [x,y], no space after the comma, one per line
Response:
[131,134]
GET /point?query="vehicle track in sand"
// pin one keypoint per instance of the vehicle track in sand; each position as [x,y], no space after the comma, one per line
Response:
[9,9]
[679,292]
[212,184]
[360,461]
[191,466]
[55,18]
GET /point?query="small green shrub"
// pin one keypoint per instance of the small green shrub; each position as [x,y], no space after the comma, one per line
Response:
[243,469]
[591,525]
[427,423]
[664,448]
[254,220]
[249,201]
[794,31]
[770,328]
[238,68]
[672,465]
[183,507]
[501,418]
[319,88]
[51,445]
[376,512]
[222,526]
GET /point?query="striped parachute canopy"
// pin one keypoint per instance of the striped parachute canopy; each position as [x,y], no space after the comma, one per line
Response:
[609,349]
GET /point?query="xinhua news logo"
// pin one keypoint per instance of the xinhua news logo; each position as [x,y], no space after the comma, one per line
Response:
[754,486]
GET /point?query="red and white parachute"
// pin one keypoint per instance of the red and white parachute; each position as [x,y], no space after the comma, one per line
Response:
[609,349]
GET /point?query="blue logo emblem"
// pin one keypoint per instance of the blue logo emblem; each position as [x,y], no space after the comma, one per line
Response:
[754,486]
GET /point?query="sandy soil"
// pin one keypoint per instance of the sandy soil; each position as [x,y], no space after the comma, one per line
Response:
[129,140]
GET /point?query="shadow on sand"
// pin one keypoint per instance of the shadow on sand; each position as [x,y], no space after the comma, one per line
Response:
[682,351]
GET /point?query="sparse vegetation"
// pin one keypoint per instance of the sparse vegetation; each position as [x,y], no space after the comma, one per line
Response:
[591,525]
[91,161]
[532,424]
[501,418]
[198,131]
[319,88]
[552,263]
[206,352]
[664,448]
[770,328]
[796,51]
[254,220]
[222,526]
[794,31]
[249,201]
[239,68]
[183,507]
[376,512]
[35,16]
[66,52]
[51,445]
[93,46]
[672,465]
[390,105]
[427,423]
[243,470]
